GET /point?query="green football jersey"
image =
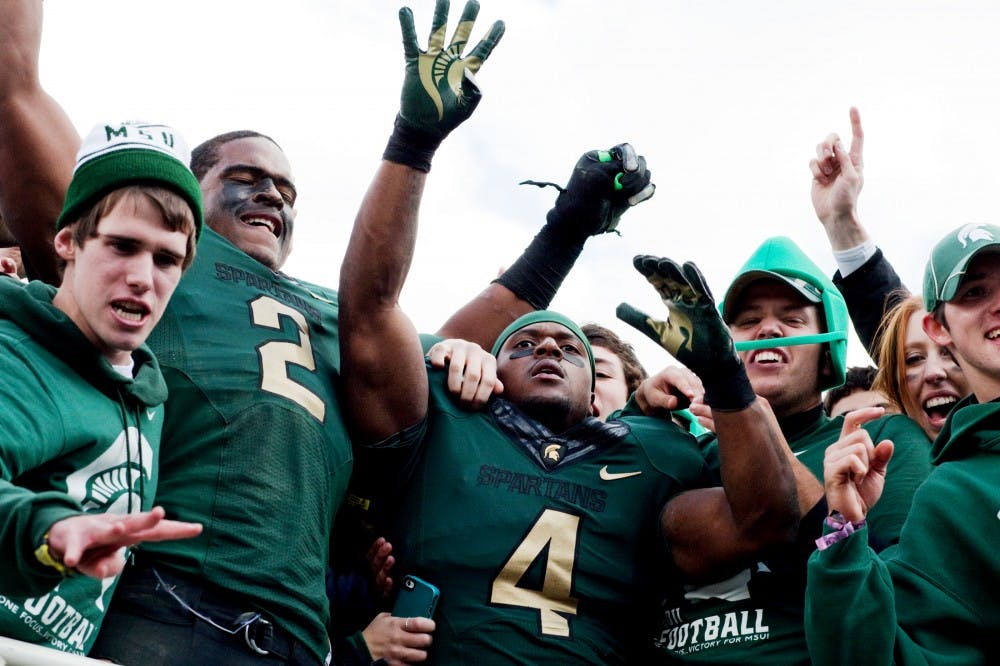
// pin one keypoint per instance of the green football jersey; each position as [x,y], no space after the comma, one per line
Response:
[538,563]
[255,445]
[756,616]
[75,436]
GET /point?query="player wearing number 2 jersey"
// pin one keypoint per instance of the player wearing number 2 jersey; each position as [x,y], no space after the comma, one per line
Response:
[253,443]
[248,351]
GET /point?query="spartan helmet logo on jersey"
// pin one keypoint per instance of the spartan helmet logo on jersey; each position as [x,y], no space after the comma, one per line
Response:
[971,233]
[112,482]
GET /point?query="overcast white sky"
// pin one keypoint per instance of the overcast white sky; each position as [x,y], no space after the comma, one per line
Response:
[726,99]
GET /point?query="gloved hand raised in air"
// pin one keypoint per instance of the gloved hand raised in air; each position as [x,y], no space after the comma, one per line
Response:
[604,184]
[439,89]
[694,332]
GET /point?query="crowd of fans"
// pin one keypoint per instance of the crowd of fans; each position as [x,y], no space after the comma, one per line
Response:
[206,460]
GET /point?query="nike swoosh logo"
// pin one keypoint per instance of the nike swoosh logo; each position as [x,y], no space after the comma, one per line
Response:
[614,476]
[150,413]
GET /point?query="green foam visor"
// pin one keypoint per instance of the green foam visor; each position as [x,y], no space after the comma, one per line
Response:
[771,343]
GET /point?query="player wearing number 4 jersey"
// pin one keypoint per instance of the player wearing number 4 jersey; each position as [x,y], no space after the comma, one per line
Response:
[540,524]
[254,445]
[543,543]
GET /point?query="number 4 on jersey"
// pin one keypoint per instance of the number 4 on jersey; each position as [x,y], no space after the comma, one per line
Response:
[557,531]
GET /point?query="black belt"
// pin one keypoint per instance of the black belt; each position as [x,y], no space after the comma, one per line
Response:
[213,607]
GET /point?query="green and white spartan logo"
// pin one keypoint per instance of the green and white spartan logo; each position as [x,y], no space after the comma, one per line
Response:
[973,233]
[110,483]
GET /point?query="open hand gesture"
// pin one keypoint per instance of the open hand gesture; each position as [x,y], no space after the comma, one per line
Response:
[440,91]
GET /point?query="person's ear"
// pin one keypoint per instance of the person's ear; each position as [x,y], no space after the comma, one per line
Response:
[936,331]
[65,245]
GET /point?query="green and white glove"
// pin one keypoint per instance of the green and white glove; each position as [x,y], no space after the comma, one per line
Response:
[439,89]
[694,332]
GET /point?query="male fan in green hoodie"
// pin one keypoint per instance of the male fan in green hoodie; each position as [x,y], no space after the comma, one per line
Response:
[82,396]
[935,601]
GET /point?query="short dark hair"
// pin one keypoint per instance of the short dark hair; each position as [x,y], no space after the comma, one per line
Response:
[599,336]
[206,154]
[858,378]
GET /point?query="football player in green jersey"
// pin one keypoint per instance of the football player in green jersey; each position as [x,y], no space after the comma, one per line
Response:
[251,356]
[790,324]
[542,526]
[934,601]
[82,394]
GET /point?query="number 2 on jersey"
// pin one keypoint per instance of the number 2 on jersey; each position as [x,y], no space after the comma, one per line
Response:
[277,354]
[558,531]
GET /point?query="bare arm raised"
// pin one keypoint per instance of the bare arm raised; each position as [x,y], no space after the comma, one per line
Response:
[38,143]
[384,379]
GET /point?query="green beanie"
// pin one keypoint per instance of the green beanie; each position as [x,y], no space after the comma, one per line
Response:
[552,317]
[115,155]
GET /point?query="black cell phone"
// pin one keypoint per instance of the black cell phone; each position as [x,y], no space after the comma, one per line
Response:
[416,598]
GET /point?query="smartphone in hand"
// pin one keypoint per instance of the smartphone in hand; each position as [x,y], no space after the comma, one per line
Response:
[416,598]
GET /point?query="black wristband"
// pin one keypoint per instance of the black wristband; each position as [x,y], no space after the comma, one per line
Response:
[540,270]
[728,390]
[411,145]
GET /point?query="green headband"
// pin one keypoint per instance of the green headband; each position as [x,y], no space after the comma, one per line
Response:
[550,316]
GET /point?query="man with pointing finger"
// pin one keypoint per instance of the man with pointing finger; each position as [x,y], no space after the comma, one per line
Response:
[935,600]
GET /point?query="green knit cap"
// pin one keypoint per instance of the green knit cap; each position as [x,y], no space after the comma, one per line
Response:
[115,155]
[539,316]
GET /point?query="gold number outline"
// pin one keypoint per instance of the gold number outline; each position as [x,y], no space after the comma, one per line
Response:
[558,532]
[275,355]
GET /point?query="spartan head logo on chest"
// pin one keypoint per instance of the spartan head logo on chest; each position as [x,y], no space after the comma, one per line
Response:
[113,482]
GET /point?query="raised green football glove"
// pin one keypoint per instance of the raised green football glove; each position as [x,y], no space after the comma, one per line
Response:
[439,90]
[604,184]
[694,332]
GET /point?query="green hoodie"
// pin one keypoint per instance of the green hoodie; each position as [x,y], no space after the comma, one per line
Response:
[75,436]
[935,600]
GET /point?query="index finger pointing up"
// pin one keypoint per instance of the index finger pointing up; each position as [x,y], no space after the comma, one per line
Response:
[857,138]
